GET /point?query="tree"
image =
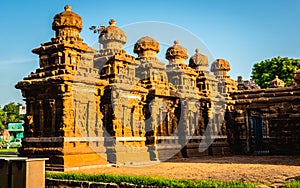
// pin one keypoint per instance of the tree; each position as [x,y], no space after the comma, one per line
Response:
[1,126]
[11,112]
[2,119]
[265,71]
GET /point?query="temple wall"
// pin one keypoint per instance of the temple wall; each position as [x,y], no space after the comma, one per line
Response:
[89,107]
[266,121]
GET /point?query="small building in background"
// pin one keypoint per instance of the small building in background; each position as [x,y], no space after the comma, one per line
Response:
[16,131]
[22,110]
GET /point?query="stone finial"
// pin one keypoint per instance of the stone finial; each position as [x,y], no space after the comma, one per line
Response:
[68,8]
[198,60]
[112,22]
[176,52]
[112,35]
[276,83]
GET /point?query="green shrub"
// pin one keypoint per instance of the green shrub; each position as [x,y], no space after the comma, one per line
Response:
[293,184]
[8,150]
[142,180]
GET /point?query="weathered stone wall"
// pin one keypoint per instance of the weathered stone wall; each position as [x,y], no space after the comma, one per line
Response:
[266,121]
[88,107]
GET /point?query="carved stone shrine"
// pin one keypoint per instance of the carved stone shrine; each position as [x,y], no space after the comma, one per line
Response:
[88,107]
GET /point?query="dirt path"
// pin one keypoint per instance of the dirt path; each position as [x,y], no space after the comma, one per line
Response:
[266,169]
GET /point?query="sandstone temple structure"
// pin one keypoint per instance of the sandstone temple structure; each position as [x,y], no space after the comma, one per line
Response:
[90,107]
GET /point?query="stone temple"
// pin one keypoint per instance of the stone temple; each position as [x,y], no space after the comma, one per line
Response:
[89,107]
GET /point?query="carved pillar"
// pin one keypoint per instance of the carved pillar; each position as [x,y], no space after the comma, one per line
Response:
[41,118]
[53,117]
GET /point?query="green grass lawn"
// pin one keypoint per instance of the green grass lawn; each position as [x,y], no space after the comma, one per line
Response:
[149,181]
[8,150]
[293,183]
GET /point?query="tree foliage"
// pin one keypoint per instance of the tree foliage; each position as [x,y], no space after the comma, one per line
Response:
[2,119]
[266,71]
[10,113]
[1,126]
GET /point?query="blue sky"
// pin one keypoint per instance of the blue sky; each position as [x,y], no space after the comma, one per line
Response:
[242,31]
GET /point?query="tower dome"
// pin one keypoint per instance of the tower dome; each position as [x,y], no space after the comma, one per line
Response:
[198,60]
[112,36]
[220,64]
[176,52]
[67,24]
[146,46]
[220,67]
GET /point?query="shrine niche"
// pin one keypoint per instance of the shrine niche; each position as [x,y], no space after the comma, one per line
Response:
[123,99]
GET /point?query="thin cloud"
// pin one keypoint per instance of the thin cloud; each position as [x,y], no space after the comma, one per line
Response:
[16,61]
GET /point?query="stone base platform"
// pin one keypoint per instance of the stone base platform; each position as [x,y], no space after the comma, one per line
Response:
[165,152]
[193,150]
[127,155]
[219,148]
[64,154]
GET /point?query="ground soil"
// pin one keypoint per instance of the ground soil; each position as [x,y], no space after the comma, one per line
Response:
[265,169]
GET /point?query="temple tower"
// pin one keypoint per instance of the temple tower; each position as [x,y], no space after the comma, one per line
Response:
[161,108]
[123,100]
[111,59]
[213,103]
[206,82]
[220,68]
[184,80]
[62,99]
[179,74]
